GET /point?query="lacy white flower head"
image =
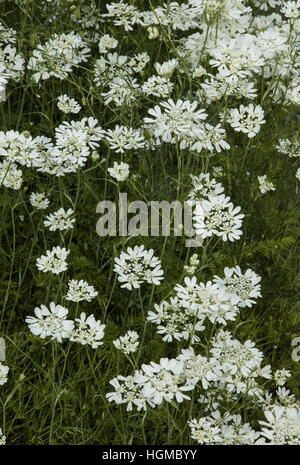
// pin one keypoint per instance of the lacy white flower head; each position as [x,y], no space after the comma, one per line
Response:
[265,185]
[128,391]
[291,9]
[240,362]
[290,147]
[199,369]
[12,64]
[167,68]
[123,14]
[19,148]
[107,43]
[280,376]
[50,322]
[207,301]
[67,104]
[119,171]
[174,119]
[193,264]
[244,285]
[123,138]
[60,220]
[80,290]
[128,343]
[218,216]
[175,321]
[153,32]
[164,381]
[54,260]
[4,369]
[10,175]
[157,85]
[226,430]
[2,438]
[121,91]
[39,200]
[247,119]
[136,266]
[58,56]
[173,15]
[204,186]
[282,425]
[88,330]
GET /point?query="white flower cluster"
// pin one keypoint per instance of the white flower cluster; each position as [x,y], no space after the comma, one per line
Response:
[52,322]
[136,266]
[128,343]
[4,369]
[2,438]
[121,138]
[58,56]
[120,171]
[80,290]
[218,302]
[67,104]
[60,220]
[54,260]
[214,213]
[39,200]
[73,144]
[246,119]
[265,185]
[181,122]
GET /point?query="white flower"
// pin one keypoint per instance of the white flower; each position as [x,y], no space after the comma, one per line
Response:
[136,266]
[218,216]
[123,14]
[128,391]
[10,176]
[39,200]
[158,86]
[167,68]
[80,290]
[88,330]
[122,138]
[226,430]
[280,376]
[3,373]
[176,321]
[164,381]
[247,119]
[67,104]
[265,185]
[50,322]
[204,187]
[128,343]
[120,171]
[106,43]
[60,220]
[58,56]
[245,285]
[54,260]
[2,438]
[282,425]
[290,147]
[291,9]
[172,119]
[198,368]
